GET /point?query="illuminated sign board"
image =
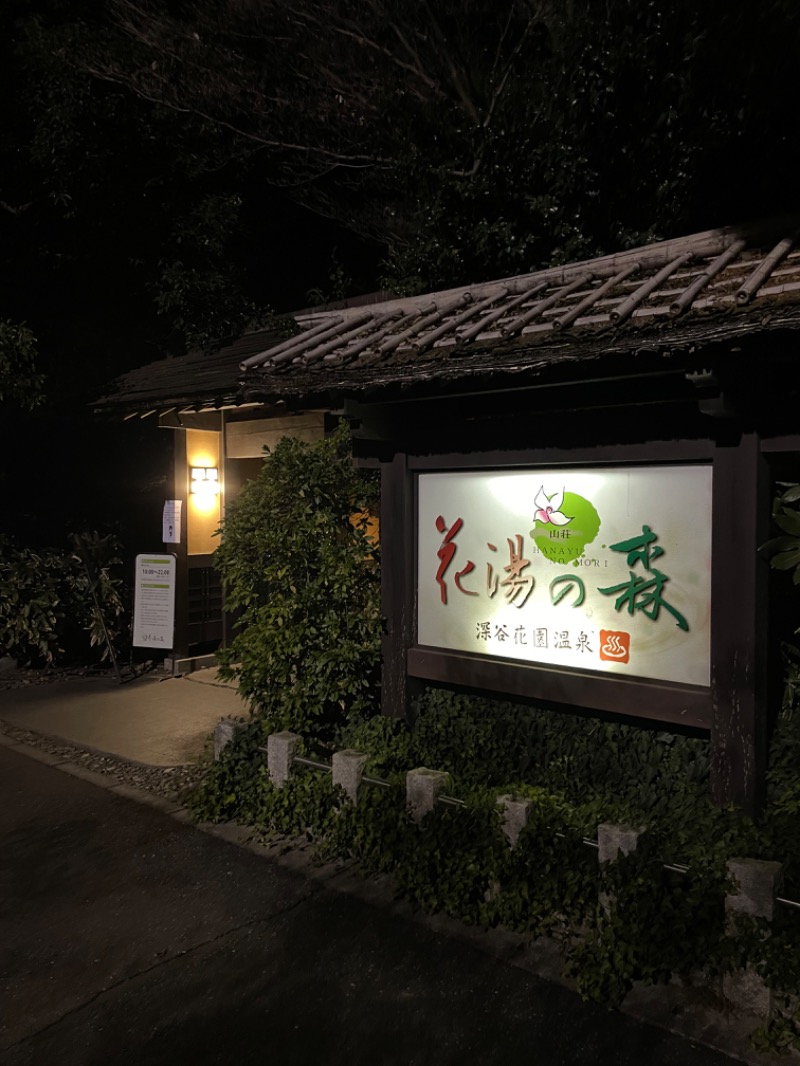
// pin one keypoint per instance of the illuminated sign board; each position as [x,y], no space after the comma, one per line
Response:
[605,569]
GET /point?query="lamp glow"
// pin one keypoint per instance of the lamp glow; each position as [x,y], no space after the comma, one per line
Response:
[204,480]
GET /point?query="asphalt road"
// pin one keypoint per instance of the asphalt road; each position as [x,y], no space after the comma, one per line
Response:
[127,937]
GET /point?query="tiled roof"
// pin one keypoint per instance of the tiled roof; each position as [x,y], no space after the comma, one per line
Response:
[712,286]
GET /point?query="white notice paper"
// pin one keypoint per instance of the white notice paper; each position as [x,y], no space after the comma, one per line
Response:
[172,522]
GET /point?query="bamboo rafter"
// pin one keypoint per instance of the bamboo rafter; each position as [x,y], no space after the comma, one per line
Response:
[452,325]
[373,322]
[761,273]
[371,340]
[370,345]
[627,307]
[285,352]
[500,312]
[432,318]
[714,268]
[589,301]
[519,323]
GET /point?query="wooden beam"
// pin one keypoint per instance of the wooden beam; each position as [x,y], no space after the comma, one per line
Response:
[739,638]
[180,649]
[688,451]
[655,701]
[246,439]
[397,583]
[789,442]
[174,419]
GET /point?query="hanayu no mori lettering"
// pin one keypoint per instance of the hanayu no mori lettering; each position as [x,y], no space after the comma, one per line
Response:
[643,591]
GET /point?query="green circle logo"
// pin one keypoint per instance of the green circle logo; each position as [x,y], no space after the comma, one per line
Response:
[564,524]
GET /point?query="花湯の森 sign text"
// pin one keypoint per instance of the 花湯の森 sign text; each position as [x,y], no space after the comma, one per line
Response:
[605,569]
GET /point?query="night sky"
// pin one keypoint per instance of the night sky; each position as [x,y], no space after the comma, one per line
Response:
[127,229]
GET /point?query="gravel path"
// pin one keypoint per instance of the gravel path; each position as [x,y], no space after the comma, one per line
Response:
[171,782]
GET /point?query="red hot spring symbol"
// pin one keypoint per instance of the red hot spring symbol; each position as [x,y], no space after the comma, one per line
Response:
[615,646]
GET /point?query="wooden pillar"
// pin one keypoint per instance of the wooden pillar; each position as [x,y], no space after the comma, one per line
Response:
[739,639]
[225,469]
[397,583]
[180,648]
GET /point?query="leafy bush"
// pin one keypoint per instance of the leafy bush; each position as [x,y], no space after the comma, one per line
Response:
[297,559]
[50,600]
[20,381]
[784,551]
[605,769]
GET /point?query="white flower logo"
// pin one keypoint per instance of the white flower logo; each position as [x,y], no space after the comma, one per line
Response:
[548,508]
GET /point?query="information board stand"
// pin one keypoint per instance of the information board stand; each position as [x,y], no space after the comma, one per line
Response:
[154,601]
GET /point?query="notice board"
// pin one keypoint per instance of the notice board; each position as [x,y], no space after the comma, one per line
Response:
[154,601]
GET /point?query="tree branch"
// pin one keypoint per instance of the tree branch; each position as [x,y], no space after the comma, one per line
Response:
[499,88]
[341,158]
[455,77]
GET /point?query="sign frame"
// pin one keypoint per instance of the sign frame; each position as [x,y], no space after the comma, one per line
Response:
[536,596]
[731,711]
[639,698]
[154,601]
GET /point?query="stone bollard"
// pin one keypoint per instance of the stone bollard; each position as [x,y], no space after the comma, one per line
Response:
[224,732]
[613,841]
[516,812]
[422,788]
[280,752]
[347,768]
[757,882]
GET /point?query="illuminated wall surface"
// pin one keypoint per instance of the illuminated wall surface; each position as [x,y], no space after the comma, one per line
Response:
[203,512]
[605,569]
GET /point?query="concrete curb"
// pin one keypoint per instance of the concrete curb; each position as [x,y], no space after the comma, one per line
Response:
[33,753]
[8,741]
[91,777]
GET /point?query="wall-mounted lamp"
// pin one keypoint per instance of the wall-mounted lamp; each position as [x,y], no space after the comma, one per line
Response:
[205,480]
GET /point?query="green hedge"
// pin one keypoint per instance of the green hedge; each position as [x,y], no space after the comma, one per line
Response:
[299,566]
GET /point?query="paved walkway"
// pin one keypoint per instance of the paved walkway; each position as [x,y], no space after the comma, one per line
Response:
[155,720]
[164,721]
[132,939]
